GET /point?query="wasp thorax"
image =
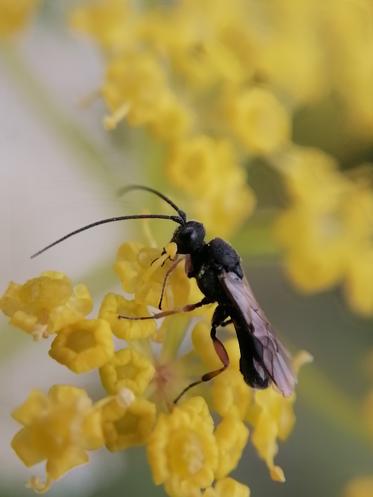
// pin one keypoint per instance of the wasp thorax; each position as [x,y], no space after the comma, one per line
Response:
[189,237]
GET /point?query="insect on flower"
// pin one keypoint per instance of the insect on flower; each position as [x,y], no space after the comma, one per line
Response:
[217,269]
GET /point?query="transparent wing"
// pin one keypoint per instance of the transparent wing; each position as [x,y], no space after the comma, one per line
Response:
[273,356]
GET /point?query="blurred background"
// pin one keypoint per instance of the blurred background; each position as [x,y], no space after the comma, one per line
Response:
[309,68]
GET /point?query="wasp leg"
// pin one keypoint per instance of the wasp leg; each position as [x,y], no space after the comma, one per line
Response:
[170,270]
[163,314]
[219,319]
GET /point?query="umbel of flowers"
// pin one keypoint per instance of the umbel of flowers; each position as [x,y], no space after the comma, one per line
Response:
[193,446]
[218,86]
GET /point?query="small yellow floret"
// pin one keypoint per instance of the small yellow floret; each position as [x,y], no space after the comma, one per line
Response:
[58,428]
[14,15]
[142,271]
[114,306]
[111,22]
[83,346]
[260,121]
[231,436]
[274,419]
[227,487]
[127,369]
[230,394]
[182,449]
[45,304]
[137,82]
[127,421]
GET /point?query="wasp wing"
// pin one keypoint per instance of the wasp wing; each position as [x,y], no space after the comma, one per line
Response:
[271,354]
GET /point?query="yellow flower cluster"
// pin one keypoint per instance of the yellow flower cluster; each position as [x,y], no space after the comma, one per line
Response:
[219,86]
[189,453]
[15,15]
[327,230]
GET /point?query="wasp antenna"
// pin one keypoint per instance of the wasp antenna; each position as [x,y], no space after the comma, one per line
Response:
[175,219]
[130,188]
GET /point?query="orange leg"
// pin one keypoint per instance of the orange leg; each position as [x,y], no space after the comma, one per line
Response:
[219,319]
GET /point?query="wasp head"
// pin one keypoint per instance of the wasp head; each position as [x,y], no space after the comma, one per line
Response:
[189,237]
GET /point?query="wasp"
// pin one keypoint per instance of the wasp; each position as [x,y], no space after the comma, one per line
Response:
[217,269]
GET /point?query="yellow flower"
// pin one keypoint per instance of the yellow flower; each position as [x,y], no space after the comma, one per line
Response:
[312,178]
[172,120]
[227,486]
[129,262]
[260,120]
[274,418]
[182,449]
[231,436]
[127,369]
[111,22]
[58,428]
[126,420]
[359,281]
[83,346]
[45,304]
[207,169]
[359,487]
[15,15]
[113,306]
[230,394]
[328,213]
[201,164]
[292,57]
[223,213]
[142,271]
[133,89]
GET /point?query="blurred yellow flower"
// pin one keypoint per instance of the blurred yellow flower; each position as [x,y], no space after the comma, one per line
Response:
[260,120]
[359,487]
[14,15]
[110,21]
[359,281]
[133,88]
[46,304]
[209,172]
[83,346]
[58,428]
[326,232]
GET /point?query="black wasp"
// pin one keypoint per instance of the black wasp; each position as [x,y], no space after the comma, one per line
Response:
[217,269]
